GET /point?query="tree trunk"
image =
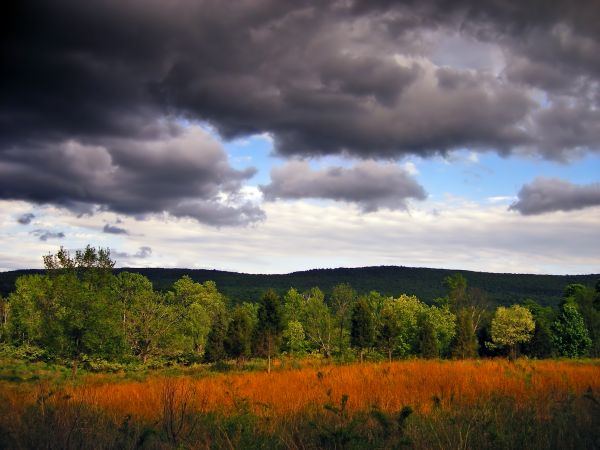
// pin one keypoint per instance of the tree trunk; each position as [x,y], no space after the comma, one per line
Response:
[390,354]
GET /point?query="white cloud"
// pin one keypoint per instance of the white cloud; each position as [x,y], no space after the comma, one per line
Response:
[300,235]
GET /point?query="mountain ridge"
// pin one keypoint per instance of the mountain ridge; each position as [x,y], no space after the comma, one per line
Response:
[425,283]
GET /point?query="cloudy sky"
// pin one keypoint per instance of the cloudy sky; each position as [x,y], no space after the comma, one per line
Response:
[269,136]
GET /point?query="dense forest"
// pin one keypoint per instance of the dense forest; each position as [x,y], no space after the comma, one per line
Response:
[80,311]
[427,284]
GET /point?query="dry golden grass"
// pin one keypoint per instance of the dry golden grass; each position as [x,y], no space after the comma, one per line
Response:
[286,393]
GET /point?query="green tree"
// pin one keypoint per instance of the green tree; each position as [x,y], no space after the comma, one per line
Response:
[584,298]
[294,338]
[238,343]
[389,332]
[464,344]
[318,324]
[540,345]
[362,332]
[429,346]
[511,327]
[215,345]
[444,326]
[4,307]
[402,315]
[569,333]
[269,326]
[342,299]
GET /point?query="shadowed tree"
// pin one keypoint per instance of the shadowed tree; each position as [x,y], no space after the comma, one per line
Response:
[215,342]
[428,344]
[269,326]
[362,331]
[342,298]
[465,342]
[238,342]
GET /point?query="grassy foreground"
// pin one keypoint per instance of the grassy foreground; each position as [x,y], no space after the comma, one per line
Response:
[410,404]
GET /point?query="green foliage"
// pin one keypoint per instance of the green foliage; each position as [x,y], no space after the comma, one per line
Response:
[362,332]
[464,344]
[215,346]
[294,338]
[429,346]
[269,326]
[569,333]
[238,342]
[511,327]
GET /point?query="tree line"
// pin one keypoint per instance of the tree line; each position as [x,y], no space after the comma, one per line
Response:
[80,311]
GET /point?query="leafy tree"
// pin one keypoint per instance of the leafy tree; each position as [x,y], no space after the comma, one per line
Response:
[269,326]
[511,327]
[4,306]
[31,312]
[238,342]
[293,306]
[153,326]
[585,298]
[318,324]
[569,333]
[540,345]
[428,343]
[389,332]
[294,338]
[465,342]
[402,315]
[444,326]
[362,332]
[215,345]
[342,299]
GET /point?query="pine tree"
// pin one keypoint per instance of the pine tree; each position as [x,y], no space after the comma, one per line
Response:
[215,342]
[269,326]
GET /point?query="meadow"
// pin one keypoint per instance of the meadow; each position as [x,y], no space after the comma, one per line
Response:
[307,404]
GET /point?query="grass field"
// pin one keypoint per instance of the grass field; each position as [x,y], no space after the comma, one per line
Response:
[410,404]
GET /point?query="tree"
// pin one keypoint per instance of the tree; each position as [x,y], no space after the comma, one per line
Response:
[569,333]
[294,338]
[319,326]
[584,298]
[362,332]
[443,322]
[215,345]
[269,326]
[511,327]
[540,345]
[465,342]
[388,332]
[238,342]
[4,306]
[342,299]
[428,344]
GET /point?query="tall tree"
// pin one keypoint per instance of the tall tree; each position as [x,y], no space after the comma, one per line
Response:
[569,333]
[428,343]
[319,325]
[269,326]
[342,299]
[215,345]
[540,345]
[464,344]
[362,332]
[511,327]
[238,343]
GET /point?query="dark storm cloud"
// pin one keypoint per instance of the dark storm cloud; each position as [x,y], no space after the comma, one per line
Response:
[551,194]
[25,219]
[113,229]
[44,235]
[183,176]
[92,91]
[368,184]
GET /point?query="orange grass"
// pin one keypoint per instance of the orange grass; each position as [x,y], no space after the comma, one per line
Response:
[286,393]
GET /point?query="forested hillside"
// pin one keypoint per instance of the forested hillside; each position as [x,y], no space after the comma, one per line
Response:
[427,284]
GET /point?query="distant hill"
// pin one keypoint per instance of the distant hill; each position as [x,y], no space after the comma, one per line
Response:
[427,284]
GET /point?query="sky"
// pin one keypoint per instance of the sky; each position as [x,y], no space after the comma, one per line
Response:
[270,136]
